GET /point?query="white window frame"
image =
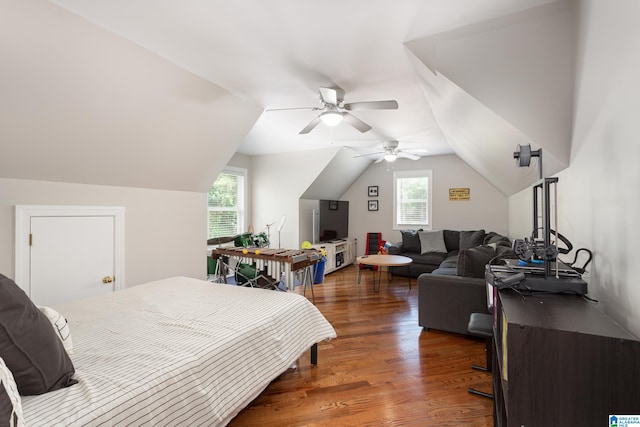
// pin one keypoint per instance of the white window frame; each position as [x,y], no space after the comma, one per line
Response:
[427,173]
[242,198]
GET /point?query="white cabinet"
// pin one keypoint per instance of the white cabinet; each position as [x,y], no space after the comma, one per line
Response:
[340,253]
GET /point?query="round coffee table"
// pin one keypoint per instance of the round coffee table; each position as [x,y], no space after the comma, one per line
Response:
[383,261]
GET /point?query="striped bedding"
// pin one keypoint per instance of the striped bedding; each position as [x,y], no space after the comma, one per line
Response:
[174,352]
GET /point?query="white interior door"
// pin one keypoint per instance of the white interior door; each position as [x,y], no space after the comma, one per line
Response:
[68,253]
[70,257]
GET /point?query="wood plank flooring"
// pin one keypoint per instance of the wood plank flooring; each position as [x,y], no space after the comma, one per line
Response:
[382,370]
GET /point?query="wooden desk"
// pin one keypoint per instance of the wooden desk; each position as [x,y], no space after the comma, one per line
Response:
[560,361]
[383,261]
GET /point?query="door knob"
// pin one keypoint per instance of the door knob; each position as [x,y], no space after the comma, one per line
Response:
[107,279]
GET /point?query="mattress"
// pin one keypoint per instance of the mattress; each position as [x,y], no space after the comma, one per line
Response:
[178,351]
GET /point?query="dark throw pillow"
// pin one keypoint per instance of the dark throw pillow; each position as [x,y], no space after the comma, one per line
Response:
[410,241]
[496,238]
[471,261]
[28,344]
[471,239]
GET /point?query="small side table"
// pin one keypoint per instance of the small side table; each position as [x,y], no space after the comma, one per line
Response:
[383,261]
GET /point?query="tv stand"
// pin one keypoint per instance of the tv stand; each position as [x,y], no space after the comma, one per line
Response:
[340,253]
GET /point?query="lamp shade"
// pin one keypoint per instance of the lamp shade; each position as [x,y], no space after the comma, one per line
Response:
[390,157]
[331,118]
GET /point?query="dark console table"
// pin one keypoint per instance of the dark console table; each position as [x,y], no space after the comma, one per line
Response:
[560,361]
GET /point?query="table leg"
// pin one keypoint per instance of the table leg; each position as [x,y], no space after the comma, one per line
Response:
[307,277]
[377,288]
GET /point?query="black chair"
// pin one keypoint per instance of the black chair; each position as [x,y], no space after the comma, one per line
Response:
[373,243]
[481,325]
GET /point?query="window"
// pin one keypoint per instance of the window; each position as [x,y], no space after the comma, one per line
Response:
[412,199]
[226,203]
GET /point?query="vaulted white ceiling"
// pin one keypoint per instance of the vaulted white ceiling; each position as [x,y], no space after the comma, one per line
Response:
[471,78]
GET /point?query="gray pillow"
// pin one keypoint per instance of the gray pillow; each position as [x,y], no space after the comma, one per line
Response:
[28,344]
[432,241]
[471,239]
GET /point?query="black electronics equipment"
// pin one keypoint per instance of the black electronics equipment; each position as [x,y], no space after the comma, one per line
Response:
[333,220]
[535,249]
[503,277]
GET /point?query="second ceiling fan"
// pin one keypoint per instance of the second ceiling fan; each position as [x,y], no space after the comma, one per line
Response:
[335,110]
[390,152]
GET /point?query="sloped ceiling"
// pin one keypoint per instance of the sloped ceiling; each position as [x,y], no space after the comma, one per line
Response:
[501,83]
[79,104]
[93,99]
[336,178]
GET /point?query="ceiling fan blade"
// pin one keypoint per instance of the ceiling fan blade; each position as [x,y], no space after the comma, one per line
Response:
[372,105]
[294,108]
[310,126]
[369,154]
[331,95]
[407,155]
[356,122]
[381,158]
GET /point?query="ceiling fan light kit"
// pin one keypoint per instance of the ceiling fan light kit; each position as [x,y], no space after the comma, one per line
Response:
[331,118]
[390,157]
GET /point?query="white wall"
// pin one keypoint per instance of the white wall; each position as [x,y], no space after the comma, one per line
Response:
[165,231]
[486,210]
[81,104]
[278,182]
[599,194]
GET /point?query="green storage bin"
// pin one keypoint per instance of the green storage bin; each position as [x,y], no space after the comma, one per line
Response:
[211,265]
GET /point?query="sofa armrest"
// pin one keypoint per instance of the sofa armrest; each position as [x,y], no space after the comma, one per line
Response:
[395,248]
[446,302]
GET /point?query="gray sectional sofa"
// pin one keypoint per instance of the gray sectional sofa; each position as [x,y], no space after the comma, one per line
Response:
[450,266]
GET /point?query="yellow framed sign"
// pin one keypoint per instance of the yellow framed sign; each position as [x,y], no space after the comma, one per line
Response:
[459,194]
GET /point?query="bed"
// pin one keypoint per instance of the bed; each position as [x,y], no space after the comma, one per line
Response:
[178,351]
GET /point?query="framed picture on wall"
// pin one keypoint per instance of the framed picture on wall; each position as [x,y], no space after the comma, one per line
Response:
[373,191]
[373,205]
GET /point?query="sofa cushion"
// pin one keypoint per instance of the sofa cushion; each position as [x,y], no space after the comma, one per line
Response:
[445,271]
[450,261]
[451,239]
[410,241]
[471,262]
[505,252]
[498,239]
[471,239]
[432,241]
[431,258]
[29,345]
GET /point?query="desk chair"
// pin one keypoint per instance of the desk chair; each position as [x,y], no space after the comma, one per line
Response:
[481,325]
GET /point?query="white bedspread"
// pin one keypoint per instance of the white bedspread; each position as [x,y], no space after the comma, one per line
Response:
[174,352]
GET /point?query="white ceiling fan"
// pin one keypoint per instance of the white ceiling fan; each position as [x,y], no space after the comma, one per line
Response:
[390,152]
[336,111]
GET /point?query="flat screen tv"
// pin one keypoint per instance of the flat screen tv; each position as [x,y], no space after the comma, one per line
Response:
[333,220]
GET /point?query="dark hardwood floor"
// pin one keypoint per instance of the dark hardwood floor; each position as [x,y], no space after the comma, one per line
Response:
[382,370]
